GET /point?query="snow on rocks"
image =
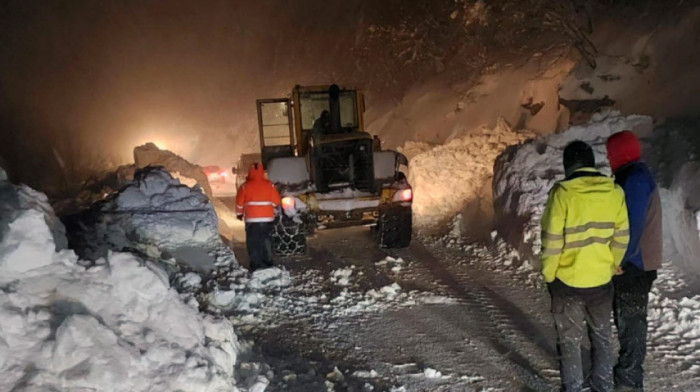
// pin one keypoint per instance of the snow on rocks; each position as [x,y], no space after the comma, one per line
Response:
[524,174]
[457,176]
[154,209]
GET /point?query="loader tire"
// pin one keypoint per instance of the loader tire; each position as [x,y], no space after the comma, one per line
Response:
[394,227]
[288,237]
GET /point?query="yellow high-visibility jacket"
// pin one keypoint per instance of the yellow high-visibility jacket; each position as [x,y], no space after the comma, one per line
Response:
[585,230]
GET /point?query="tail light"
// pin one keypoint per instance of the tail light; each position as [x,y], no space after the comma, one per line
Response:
[404,195]
[223,174]
[287,202]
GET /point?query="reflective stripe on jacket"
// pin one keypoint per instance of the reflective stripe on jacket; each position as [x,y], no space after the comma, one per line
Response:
[257,198]
[585,230]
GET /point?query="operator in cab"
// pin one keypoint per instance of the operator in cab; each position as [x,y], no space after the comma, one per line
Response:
[256,203]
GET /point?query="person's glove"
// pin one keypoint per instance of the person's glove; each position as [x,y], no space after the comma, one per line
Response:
[239,216]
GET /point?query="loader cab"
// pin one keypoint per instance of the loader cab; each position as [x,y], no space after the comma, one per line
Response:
[289,125]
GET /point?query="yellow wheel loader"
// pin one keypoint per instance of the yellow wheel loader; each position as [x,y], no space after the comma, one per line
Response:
[329,171]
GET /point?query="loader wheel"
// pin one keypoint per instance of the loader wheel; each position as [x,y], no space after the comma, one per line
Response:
[288,237]
[394,227]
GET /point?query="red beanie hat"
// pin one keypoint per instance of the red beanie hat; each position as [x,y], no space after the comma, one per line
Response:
[623,148]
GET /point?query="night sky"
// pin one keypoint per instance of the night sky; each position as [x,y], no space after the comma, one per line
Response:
[88,80]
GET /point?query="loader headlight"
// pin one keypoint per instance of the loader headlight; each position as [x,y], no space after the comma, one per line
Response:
[288,202]
[404,195]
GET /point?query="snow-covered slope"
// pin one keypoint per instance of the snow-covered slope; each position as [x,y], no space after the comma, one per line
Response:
[116,326]
[456,177]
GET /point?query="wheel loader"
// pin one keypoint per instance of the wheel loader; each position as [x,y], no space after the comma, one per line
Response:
[329,171]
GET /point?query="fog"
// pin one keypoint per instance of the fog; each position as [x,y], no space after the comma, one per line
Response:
[83,82]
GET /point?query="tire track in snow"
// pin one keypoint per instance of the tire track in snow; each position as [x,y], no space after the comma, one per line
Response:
[508,329]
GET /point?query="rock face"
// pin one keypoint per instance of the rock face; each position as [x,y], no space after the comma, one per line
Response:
[150,155]
[154,210]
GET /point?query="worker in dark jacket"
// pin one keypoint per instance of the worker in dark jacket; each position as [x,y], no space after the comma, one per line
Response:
[584,237]
[642,259]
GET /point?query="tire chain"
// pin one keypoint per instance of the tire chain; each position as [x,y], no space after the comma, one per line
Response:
[288,237]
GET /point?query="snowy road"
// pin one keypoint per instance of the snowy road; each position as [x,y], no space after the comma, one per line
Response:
[461,313]
[472,334]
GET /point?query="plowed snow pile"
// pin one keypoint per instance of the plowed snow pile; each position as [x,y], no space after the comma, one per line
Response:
[524,174]
[456,177]
[116,326]
[154,212]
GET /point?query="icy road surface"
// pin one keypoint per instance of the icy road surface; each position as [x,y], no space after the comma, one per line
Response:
[437,317]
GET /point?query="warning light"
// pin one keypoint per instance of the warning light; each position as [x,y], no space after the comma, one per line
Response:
[404,195]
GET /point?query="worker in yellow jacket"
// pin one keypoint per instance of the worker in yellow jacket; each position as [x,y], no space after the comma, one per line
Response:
[584,238]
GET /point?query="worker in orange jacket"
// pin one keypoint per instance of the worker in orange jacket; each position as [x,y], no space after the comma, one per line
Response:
[256,204]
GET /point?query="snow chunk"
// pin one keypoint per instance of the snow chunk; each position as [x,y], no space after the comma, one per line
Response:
[15,199]
[341,276]
[27,245]
[269,278]
[432,373]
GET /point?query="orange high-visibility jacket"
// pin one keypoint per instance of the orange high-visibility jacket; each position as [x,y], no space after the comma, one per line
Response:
[257,198]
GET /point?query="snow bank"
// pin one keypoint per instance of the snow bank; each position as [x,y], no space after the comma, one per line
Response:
[154,210]
[681,215]
[113,327]
[673,152]
[524,174]
[456,177]
[150,155]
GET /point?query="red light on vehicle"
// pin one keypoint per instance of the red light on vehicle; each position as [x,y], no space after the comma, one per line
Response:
[405,195]
[287,202]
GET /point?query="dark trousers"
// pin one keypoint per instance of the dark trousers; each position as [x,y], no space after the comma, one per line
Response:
[257,241]
[631,299]
[572,307]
